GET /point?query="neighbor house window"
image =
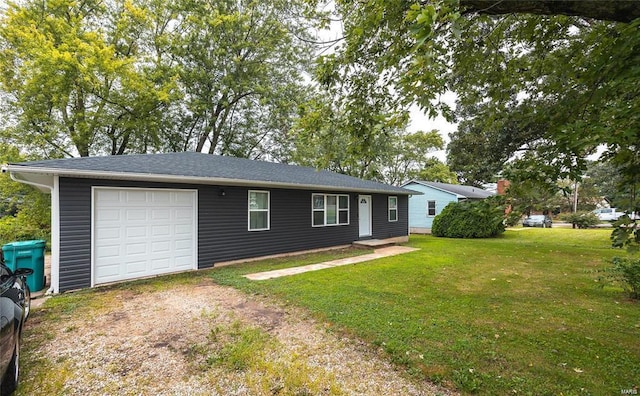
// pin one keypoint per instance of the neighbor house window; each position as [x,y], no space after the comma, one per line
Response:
[258,210]
[431,208]
[329,209]
[393,208]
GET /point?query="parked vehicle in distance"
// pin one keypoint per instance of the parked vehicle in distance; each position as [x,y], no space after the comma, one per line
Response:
[15,303]
[537,221]
[607,214]
[612,214]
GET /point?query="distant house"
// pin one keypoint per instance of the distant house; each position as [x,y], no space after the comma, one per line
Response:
[423,208]
[133,216]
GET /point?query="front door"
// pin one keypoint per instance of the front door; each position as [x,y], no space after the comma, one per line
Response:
[364,215]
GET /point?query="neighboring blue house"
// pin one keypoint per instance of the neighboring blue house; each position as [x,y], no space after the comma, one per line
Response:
[423,208]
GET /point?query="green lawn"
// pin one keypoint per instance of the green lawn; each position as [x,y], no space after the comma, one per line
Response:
[520,314]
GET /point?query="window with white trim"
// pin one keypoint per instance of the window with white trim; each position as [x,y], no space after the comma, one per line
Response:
[329,210]
[393,208]
[431,208]
[259,202]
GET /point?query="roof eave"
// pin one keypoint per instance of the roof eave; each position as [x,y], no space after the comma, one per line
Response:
[18,169]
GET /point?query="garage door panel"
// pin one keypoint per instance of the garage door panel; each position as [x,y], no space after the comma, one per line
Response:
[160,230]
[136,267]
[161,264]
[183,229]
[136,214]
[183,262]
[136,232]
[161,197]
[184,199]
[139,233]
[111,233]
[109,215]
[136,197]
[108,197]
[161,214]
[108,251]
[161,247]
[183,214]
[136,248]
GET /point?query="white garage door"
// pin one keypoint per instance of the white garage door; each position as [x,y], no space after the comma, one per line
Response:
[142,232]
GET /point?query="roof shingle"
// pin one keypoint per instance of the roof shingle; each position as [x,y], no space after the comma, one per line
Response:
[198,167]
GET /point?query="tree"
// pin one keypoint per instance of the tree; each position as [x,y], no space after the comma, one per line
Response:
[122,76]
[615,10]
[555,83]
[25,213]
[435,170]
[80,78]
[361,136]
[240,66]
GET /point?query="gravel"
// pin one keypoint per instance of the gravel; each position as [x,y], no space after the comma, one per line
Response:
[170,342]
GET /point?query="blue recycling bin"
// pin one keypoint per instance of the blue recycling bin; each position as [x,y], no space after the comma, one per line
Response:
[27,254]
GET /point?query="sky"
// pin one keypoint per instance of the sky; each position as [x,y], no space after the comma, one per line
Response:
[420,122]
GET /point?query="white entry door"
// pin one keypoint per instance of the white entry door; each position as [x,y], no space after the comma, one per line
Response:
[142,232]
[364,215]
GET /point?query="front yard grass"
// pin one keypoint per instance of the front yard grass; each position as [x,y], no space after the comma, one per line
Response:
[520,314]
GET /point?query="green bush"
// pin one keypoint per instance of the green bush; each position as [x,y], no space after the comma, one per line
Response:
[625,273]
[469,219]
[17,229]
[581,219]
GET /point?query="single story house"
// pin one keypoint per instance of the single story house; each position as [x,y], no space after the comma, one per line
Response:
[125,217]
[435,196]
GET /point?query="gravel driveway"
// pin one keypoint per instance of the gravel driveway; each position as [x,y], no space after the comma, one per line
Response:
[198,339]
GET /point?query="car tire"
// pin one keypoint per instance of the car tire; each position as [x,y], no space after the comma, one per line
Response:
[10,380]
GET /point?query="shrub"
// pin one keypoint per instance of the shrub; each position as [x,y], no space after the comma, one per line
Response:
[625,272]
[469,219]
[581,219]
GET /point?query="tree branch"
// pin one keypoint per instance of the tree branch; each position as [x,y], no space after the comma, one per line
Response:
[611,10]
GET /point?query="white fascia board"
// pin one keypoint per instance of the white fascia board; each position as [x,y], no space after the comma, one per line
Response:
[24,170]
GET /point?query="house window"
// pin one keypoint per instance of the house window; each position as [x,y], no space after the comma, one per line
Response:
[431,208]
[329,209]
[393,208]
[258,210]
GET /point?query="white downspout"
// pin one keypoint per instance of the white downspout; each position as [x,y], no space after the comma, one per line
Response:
[55,236]
[55,226]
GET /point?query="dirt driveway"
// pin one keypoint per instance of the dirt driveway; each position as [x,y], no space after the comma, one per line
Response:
[197,339]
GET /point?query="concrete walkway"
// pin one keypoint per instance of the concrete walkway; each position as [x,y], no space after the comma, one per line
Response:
[378,253]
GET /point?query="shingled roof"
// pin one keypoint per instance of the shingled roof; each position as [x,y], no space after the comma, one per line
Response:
[468,192]
[198,168]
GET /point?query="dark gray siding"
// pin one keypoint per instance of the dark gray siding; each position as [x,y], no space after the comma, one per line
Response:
[223,233]
[75,235]
[382,227]
[222,225]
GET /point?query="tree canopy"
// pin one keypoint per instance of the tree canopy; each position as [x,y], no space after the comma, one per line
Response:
[542,84]
[123,76]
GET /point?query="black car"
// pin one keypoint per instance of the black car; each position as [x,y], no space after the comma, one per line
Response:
[15,302]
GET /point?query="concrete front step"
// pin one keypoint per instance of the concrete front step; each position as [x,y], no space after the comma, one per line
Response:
[379,243]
